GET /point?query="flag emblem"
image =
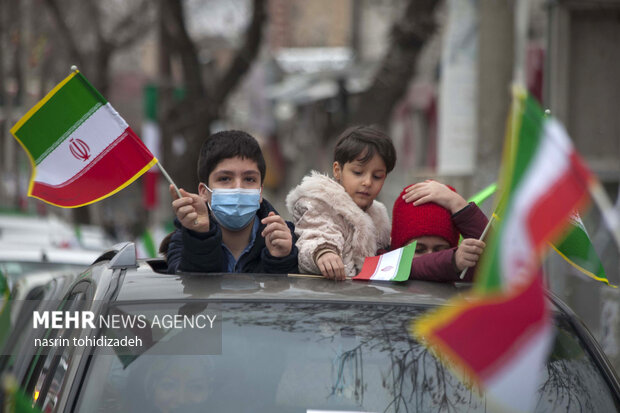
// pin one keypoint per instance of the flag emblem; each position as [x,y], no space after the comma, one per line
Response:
[79,149]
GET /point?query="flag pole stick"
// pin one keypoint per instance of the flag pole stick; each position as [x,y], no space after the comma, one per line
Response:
[484,234]
[163,171]
[610,214]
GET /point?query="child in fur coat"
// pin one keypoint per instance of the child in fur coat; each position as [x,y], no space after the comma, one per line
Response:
[337,220]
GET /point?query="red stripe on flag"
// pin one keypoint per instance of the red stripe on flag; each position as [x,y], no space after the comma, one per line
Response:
[549,213]
[149,189]
[119,163]
[369,268]
[486,334]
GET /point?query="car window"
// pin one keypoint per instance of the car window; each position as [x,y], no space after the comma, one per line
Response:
[47,373]
[295,357]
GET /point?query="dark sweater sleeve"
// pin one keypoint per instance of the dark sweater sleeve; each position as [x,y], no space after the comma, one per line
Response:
[439,266]
[282,265]
[470,221]
[191,251]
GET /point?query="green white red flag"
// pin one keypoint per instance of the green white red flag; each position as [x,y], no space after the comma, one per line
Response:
[500,334]
[80,148]
[575,247]
[391,266]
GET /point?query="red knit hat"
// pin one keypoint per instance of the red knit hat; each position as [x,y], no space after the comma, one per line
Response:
[430,219]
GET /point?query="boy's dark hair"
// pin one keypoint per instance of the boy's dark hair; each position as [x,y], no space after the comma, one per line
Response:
[357,139]
[225,145]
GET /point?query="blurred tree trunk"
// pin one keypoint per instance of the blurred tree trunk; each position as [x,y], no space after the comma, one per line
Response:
[12,86]
[94,59]
[205,90]
[409,34]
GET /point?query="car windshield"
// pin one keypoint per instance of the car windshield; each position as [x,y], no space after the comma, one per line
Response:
[305,357]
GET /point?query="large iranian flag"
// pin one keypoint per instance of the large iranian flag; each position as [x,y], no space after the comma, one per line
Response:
[500,334]
[80,148]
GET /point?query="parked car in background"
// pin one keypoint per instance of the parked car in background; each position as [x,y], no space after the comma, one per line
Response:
[35,244]
[17,260]
[288,343]
[51,231]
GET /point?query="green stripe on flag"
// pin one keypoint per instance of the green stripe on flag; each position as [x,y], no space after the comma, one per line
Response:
[149,244]
[404,266]
[528,140]
[150,102]
[63,109]
[577,249]
[529,118]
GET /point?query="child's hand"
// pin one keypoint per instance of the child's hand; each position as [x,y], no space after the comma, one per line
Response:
[277,235]
[433,191]
[331,266]
[468,253]
[191,210]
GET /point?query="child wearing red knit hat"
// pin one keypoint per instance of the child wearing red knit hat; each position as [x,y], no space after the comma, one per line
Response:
[434,215]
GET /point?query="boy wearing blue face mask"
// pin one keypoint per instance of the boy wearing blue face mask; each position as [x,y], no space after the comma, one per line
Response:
[228,226]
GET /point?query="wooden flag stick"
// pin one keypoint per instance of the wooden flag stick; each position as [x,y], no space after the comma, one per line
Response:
[163,171]
[484,234]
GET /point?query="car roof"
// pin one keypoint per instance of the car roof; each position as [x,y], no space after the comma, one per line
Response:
[37,253]
[144,284]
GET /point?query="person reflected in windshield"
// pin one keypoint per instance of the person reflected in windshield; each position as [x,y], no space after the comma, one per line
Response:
[228,226]
[338,220]
[434,215]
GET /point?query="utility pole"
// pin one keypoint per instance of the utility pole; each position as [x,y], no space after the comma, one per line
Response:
[495,71]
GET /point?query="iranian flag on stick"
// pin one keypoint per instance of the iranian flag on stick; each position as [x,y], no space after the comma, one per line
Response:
[391,266]
[500,334]
[80,148]
[577,249]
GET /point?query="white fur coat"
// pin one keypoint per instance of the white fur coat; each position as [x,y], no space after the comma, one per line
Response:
[324,214]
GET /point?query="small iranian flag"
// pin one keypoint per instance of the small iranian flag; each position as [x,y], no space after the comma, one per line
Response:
[577,249]
[80,149]
[500,334]
[391,266]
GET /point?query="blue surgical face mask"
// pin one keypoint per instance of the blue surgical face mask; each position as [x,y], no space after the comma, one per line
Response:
[234,208]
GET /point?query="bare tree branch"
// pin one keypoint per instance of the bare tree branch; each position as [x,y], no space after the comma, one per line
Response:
[66,33]
[202,103]
[245,55]
[130,29]
[185,48]
[409,34]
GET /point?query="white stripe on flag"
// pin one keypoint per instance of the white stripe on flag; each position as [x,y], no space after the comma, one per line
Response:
[98,132]
[520,370]
[387,265]
[550,163]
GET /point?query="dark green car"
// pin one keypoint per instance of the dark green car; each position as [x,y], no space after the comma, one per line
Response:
[267,343]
